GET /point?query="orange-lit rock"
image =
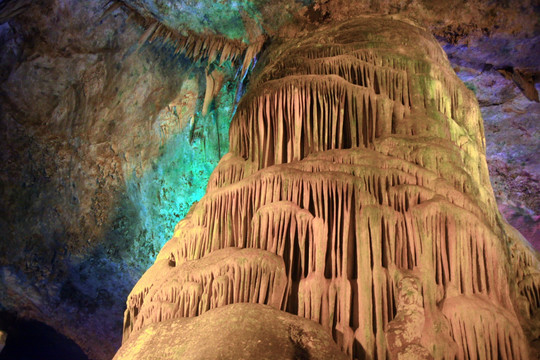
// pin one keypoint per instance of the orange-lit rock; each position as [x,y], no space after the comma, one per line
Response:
[238,331]
[358,186]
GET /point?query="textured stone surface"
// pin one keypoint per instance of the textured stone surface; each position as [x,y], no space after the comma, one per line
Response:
[238,331]
[513,142]
[358,158]
[98,134]
[103,146]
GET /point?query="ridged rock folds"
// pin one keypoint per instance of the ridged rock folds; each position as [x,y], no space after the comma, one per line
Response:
[355,194]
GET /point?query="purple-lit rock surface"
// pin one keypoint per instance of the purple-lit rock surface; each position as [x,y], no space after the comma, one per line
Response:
[513,138]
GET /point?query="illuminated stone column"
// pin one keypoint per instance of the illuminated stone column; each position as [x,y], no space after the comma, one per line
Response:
[355,194]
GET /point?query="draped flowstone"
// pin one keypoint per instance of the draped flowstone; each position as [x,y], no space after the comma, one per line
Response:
[356,195]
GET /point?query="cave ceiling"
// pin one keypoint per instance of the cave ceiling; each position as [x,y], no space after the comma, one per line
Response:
[476,34]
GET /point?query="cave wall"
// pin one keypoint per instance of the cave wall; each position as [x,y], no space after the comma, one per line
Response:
[509,119]
[105,148]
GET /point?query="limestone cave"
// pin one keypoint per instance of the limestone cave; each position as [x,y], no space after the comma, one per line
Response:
[288,179]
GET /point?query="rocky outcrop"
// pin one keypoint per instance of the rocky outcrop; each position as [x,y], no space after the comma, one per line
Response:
[231,328]
[356,194]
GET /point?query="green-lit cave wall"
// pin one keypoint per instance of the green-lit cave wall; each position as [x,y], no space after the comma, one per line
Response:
[162,194]
[104,149]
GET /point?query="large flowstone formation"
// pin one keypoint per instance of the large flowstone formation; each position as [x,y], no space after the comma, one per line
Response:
[355,194]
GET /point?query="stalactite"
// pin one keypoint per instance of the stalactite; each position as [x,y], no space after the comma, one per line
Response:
[488,332]
[214,82]
[194,46]
[526,273]
[404,333]
[288,119]
[148,32]
[230,170]
[223,277]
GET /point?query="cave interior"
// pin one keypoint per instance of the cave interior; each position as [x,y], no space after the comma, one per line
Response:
[126,125]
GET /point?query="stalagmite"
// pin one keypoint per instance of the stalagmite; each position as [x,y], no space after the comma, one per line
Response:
[355,195]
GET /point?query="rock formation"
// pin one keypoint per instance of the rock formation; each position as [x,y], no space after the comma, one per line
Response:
[3,337]
[104,146]
[355,194]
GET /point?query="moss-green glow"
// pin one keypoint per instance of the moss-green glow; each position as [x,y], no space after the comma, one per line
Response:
[162,195]
[220,17]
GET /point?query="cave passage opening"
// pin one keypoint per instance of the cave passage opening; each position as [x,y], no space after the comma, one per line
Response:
[34,340]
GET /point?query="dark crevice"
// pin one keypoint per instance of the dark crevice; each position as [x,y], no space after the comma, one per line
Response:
[34,340]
